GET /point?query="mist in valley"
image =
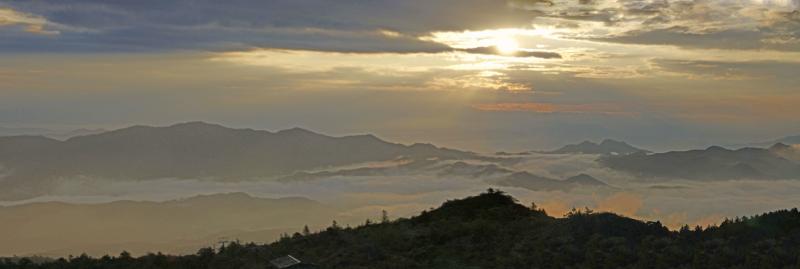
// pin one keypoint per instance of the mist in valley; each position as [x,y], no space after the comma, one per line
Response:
[102,215]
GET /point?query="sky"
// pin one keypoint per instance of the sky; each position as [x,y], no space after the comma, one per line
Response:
[474,74]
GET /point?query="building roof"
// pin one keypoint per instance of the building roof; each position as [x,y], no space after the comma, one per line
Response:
[285,262]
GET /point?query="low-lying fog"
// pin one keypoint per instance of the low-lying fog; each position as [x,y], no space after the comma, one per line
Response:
[353,199]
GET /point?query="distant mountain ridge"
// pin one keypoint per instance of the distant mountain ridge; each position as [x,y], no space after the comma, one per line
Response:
[407,168]
[789,152]
[539,183]
[789,140]
[190,150]
[714,163]
[55,134]
[605,147]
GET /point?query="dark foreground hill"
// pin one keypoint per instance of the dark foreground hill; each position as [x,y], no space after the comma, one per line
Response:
[493,231]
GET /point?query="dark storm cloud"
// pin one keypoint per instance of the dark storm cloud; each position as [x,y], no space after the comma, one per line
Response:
[346,26]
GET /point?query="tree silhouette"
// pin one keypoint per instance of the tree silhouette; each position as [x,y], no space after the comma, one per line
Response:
[384,216]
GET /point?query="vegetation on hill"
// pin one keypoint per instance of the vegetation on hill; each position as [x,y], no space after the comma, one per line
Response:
[492,230]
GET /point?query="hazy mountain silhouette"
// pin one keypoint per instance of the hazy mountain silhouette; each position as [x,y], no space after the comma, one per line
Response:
[790,152]
[789,140]
[540,183]
[408,168]
[489,172]
[713,163]
[795,139]
[403,167]
[62,228]
[585,180]
[606,147]
[61,135]
[190,150]
[75,133]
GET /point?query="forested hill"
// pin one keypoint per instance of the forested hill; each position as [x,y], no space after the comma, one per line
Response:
[491,230]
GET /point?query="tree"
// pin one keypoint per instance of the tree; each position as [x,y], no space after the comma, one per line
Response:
[125,255]
[384,216]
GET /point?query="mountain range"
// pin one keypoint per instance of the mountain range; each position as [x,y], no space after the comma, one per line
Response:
[406,167]
[714,163]
[539,183]
[32,166]
[61,135]
[190,150]
[789,140]
[605,147]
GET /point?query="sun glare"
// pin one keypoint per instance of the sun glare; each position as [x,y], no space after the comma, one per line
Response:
[506,46]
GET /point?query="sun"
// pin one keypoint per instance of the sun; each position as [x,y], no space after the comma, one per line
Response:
[506,46]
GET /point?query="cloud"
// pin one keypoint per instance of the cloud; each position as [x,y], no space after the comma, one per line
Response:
[29,22]
[608,109]
[343,26]
[518,53]
[526,3]
[727,39]
[384,25]
[728,70]
[729,24]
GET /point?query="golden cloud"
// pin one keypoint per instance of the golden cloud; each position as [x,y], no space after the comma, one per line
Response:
[608,109]
[31,23]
